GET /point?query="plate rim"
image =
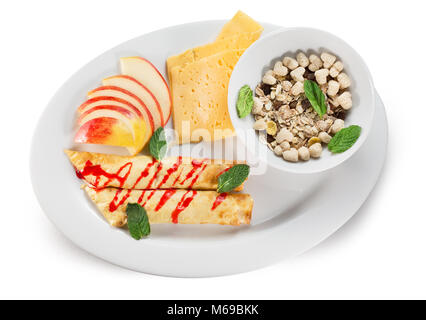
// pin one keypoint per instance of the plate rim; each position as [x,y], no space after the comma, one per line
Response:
[104,255]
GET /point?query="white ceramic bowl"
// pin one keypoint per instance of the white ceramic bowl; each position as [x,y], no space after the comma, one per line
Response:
[262,56]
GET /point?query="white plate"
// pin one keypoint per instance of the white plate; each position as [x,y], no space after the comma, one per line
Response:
[292,213]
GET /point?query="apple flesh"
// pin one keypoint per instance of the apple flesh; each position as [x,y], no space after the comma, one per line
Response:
[132,86]
[105,130]
[127,121]
[130,97]
[102,110]
[127,109]
[116,101]
[105,100]
[145,72]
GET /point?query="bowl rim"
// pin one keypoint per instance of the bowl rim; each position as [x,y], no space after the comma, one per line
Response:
[301,167]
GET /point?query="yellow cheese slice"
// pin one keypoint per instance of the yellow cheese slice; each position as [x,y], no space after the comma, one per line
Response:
[200,90]
[235,42]
[179,60]
[240,23]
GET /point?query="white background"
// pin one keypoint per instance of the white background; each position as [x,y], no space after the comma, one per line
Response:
[380,253]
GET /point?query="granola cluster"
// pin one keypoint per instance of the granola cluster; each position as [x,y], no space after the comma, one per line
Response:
[284,116]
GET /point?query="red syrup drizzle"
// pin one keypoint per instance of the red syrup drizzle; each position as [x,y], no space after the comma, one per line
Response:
[183,204]
[197,176]
[177,178]
[78,174]
[219,199]
[195,166]
[223,171]
[164,198]
[170,171]
[98,172]
[149,197]
[114,205]
[160,166]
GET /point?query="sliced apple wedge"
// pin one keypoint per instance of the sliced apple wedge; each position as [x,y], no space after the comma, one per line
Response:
[146,73]
[140,91]
[107,131]
[130,97]
[134,124]
[113,101]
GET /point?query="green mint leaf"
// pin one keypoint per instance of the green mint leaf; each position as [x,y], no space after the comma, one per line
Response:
[137,221]
[245,101]
[233,178]
[315,96]
[344,139]
[158,144]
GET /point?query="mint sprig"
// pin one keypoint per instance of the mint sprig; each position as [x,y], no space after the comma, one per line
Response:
[315,96]
[245,101]
[158,144]
[344,139]
[137,221]
[233,178]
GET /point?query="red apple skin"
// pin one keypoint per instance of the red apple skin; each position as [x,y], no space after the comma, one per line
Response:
[121,110]
[148,113]
[165,82]
[159,109]
[95,131]
[106,131]
[86,104]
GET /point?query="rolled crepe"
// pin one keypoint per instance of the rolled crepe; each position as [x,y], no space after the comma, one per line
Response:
[144,172]
[174,206]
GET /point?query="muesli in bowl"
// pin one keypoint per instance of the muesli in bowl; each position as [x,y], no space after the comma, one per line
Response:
[301,104]
[267,54]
